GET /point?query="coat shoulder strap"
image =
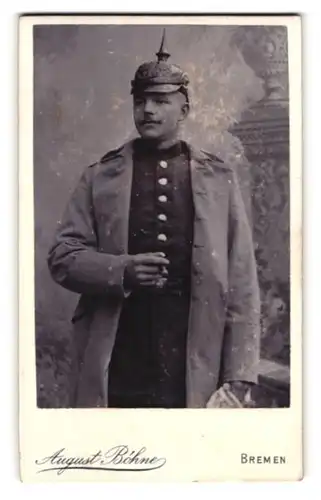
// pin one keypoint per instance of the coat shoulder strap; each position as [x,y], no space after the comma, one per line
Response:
[111,154]
[215,161]
[212,156]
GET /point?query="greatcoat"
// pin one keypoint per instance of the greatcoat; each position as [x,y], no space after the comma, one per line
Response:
[89,255]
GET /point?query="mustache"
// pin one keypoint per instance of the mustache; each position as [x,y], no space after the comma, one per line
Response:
[149,120]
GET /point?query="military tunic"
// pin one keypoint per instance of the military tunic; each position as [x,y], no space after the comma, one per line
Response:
[148,365]
[89,255]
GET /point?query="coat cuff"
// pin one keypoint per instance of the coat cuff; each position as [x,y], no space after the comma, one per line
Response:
[95,272]
[249,376]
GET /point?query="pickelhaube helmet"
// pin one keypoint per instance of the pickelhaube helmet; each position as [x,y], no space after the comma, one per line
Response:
[160,76]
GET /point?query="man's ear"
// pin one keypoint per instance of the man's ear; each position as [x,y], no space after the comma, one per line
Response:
[185,111]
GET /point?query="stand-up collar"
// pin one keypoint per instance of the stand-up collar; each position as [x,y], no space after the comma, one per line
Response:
[144,148]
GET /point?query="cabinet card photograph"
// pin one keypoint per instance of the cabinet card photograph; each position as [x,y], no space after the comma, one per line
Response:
[160,248]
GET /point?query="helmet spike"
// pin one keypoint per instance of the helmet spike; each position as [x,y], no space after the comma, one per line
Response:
[163,54]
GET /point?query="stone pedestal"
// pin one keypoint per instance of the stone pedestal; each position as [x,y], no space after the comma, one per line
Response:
[264,133]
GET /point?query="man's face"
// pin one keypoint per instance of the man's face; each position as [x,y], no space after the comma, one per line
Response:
[157,116]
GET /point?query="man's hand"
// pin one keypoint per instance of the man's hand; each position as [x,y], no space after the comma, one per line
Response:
[236,394]
[242,391]
[146,270]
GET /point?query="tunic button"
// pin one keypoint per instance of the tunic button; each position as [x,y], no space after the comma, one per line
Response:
[162,217]
[163,163]
[162,198]
[163,181]
[162,237]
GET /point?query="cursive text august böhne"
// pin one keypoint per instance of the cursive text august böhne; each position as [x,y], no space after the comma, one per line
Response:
[118,458]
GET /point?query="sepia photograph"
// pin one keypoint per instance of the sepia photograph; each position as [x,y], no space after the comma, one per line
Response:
[160,247]
[161,172]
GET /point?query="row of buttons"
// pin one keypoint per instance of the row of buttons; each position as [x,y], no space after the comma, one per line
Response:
[163,199]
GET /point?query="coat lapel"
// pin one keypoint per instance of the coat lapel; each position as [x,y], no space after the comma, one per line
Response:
[210,195]
[209,278]
[112,200]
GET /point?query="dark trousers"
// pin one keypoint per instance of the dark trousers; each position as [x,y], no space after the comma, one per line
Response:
[148,363]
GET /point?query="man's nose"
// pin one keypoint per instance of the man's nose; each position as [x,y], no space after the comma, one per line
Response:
[149,107]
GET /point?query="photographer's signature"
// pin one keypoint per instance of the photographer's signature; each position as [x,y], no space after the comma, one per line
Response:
[118,458]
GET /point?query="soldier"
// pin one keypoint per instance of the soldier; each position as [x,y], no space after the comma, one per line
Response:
[156,239]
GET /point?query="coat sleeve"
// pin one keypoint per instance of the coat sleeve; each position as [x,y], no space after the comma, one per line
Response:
[241,347]
[74,259]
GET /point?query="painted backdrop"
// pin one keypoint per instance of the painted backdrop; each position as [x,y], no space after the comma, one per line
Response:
[82,108]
